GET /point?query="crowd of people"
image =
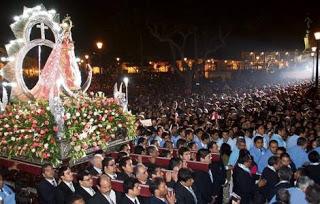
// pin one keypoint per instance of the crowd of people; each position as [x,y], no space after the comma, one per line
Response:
[261,144]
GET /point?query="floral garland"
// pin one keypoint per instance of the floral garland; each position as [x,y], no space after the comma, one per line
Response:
[28,129]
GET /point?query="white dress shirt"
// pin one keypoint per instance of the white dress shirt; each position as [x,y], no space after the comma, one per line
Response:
[111,197]
[89,190]
[133,199]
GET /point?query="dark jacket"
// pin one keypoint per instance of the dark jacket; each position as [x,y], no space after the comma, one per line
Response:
[183,196]
[98,198]
[46,192]
[83,193]
[155,200]
[272,179]
[63,194]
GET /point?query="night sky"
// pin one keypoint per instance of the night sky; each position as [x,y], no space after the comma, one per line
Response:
[121,25]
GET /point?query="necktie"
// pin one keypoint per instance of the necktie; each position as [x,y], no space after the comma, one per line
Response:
[193,194]
[135,201]
[54,183]
[71,187]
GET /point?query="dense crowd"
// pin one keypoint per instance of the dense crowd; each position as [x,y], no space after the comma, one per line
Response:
[261,142]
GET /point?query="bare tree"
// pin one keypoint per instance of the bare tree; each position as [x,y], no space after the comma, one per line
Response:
[202,44]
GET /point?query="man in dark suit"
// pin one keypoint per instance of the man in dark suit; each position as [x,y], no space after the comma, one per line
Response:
[85,188]
[96,168]
[160,192]
[185,194]
[208,187]
[285,174]
[105,194]
[313,169]
[270,175]
[47,185]
[244,182]
[65,189]
[131,188]
[126,168]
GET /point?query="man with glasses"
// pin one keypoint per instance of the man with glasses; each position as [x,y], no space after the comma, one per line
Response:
[85,187]
[47,185]
[131,188]
[109,167]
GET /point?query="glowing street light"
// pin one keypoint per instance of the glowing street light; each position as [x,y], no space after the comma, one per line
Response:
[118,59]
[185,59]
[99,45]
[86,56]
[317,37]
[313,49]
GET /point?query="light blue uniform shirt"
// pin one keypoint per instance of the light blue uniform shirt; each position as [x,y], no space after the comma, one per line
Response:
[234,156]
[292,141]
[298,155]
[278,138]
[257,153]
[297,196]
[7,195]
[263,162]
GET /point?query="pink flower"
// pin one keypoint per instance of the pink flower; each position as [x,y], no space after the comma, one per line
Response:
[46,122]
[55,128]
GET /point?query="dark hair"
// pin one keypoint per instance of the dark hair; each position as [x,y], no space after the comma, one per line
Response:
[285,154]
[121,148]
[312,194]
[283,196]
[105,162]
[255,140]
[165,153]
[184,174]
[285,173]
[61,170]
[139,149]
[174,162]
[188,131]
[225,149]
[283,149]
[210,144]
[166,144]
[202,153]
[151,149]
[205,136]
[244,158]
[123,162]
[82,174]
[299,130]
[45,165]
[314,156]
[301,141]
[180,142]
[154,185]
[121,155]
[75,198]
[153,142]
[273,141]
[129,184]
[273,160]
[190,144]
[182,150]
[141,140]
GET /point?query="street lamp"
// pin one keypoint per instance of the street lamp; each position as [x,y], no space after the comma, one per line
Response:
[99,45]
[312,77]
[118,59]
[317,37]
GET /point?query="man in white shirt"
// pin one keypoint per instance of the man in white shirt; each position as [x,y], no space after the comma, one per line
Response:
[105,194]
[109,167]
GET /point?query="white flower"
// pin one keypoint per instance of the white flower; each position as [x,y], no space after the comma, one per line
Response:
[83,135]
[46,146]
[48,108]
[84,115]
[92,129]
[39,110]
[6,126]
[95,113]
[33,150]
[91,120]
[77,114]
[13,139]
[22,131]
[68,115]
[120,125]
[6,134]
[17,116]
[112,135]
[103,119]
[77,148]
[108,127]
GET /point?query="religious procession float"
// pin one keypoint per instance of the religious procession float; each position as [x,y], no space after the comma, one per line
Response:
[56,120]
